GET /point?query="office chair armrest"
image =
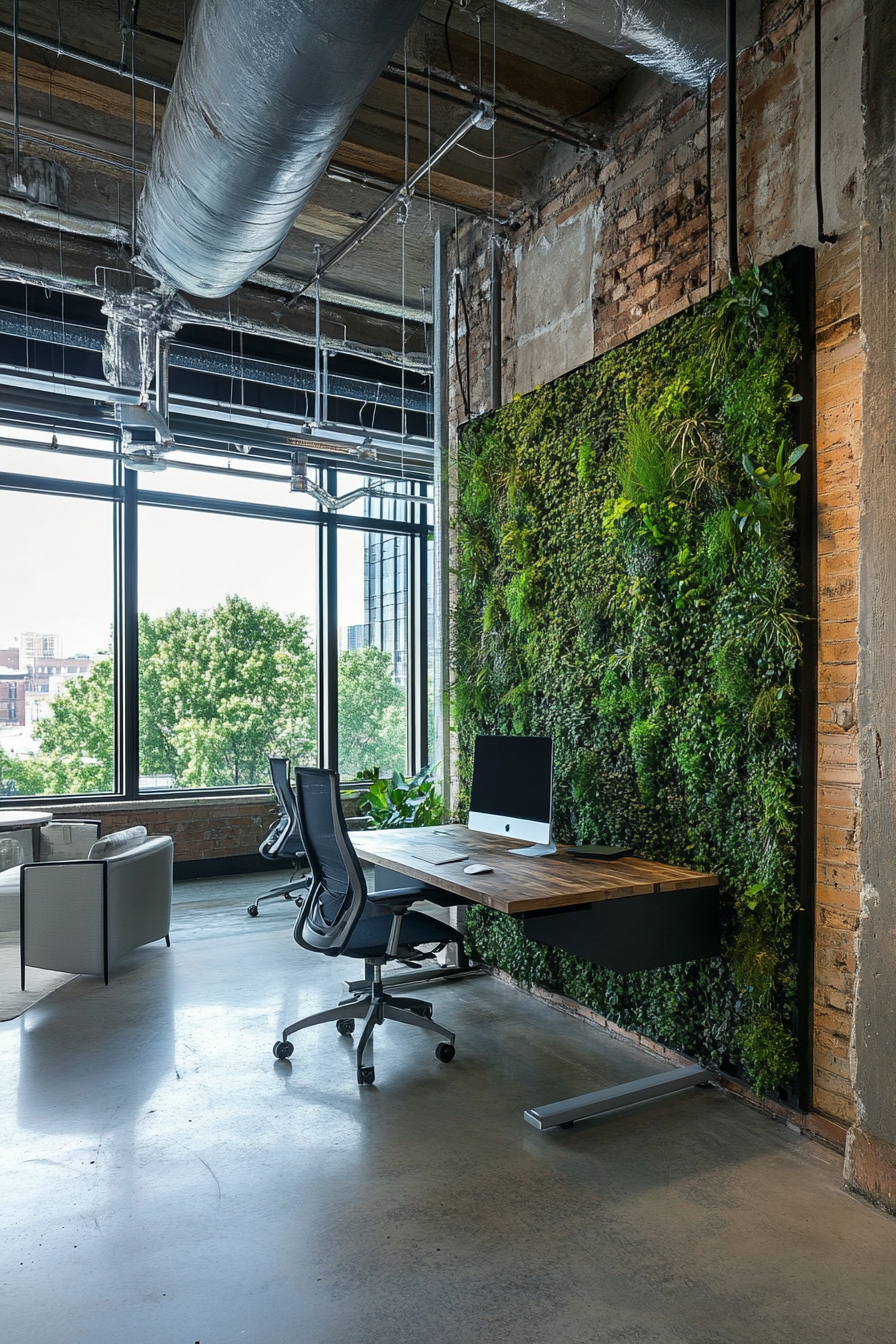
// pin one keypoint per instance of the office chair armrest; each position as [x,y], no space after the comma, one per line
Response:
[303,906]
[397,902]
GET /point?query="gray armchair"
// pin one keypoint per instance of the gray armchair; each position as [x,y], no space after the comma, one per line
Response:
[82,915]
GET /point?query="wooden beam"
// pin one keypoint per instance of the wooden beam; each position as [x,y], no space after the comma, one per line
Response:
[58,85]
[390,166]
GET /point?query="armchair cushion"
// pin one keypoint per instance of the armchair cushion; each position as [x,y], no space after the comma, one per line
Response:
[118,843]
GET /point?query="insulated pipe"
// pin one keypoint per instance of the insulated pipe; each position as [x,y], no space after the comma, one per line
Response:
[682,40]
[264,92]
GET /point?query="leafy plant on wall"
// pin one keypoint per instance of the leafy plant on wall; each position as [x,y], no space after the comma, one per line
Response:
[628,584]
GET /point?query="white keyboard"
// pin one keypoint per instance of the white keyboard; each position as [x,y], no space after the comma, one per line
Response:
[436,854]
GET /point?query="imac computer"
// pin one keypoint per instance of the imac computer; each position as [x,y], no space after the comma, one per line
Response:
[513,789]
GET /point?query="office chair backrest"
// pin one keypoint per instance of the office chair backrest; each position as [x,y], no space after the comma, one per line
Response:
[284,837]
[338,890]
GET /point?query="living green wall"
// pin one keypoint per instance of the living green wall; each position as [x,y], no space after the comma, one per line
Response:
[628,584]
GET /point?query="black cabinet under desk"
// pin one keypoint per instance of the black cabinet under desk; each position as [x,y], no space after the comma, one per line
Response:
[634,933]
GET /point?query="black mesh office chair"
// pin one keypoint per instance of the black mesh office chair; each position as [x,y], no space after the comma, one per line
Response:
[340,918]
[284,839]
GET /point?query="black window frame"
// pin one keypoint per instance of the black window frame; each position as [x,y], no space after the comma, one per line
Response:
[127,498]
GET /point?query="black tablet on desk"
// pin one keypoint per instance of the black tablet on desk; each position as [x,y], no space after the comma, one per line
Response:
[605,852]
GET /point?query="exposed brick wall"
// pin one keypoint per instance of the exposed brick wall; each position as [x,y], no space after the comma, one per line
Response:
[201,828]
[642,211]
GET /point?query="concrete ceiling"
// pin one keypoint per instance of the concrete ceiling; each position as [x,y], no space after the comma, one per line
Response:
[77,119]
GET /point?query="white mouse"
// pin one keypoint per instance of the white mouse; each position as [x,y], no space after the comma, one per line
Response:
[473,868]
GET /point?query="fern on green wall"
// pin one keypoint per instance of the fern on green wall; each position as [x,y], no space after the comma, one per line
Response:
[628,584]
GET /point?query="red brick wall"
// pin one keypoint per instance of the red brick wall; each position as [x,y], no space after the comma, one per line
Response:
[201,828]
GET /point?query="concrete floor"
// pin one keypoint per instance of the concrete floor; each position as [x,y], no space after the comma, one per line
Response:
[166,1181]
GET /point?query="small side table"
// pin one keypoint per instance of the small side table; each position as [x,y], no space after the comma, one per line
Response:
[26,821]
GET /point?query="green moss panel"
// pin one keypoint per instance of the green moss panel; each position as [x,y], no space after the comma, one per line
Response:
[628,584]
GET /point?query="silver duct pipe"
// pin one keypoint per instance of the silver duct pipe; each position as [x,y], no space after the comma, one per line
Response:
[682,40]
[264,93]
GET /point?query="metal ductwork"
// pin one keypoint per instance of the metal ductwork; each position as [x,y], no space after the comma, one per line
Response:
[682,40]
[264,93]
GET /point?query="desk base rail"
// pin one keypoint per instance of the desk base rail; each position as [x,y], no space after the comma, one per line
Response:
[609,1099]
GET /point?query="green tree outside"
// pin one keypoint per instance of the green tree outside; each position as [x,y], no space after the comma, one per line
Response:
[76,742]
[372,716]
[219,691]
[21,776]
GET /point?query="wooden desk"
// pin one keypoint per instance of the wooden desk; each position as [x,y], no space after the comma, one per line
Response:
[520,885]
[628,915]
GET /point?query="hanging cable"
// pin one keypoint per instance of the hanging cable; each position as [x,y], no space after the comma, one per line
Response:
[428,140]
[133,155]
[731,132]
[709,221]
[495,313]
[494,158]
[823,237]
[16,186]
[317,388]
[479,37]
[460,304]
[402,222]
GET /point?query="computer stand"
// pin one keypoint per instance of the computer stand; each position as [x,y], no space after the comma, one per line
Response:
[536,851]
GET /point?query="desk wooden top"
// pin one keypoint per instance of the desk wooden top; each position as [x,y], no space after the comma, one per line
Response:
[519,884]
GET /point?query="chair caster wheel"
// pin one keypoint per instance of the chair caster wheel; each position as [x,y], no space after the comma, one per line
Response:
[253,910]
[567,1124]
[283,1049]
[423,1012]
[367,1074]
[445,1052]
[345,1026]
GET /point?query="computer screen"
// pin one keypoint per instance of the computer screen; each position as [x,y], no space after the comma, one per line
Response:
[512,787]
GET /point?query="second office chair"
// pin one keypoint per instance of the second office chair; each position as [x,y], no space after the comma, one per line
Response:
[339,917]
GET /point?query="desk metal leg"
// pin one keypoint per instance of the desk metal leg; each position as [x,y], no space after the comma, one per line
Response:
[610,1099]
[35,844]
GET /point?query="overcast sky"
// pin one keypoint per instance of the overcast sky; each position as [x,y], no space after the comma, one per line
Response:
[56,556]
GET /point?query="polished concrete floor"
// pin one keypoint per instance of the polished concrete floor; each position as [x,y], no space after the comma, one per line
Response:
[166,1181]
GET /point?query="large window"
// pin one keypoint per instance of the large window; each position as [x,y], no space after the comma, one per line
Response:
[170,631]
[227,654]
[374,653]
[57,662]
